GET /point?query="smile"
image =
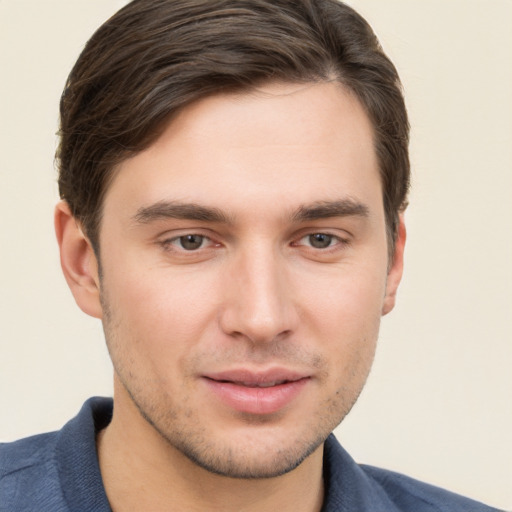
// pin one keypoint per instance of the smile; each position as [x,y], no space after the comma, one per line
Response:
[253,393]
[261,384]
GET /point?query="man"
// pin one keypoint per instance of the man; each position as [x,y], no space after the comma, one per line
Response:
[233,175]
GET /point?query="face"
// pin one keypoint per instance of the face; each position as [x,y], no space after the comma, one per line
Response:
[244,274]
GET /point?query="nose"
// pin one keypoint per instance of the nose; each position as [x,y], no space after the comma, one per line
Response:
[258,295]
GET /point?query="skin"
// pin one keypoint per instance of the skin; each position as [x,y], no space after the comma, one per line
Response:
[257,291]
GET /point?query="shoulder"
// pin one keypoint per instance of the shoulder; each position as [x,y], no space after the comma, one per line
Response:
[411,494]
[26,455]
[374,489]
[57,471]
[28,474]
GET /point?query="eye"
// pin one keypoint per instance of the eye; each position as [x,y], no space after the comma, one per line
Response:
[319,240]
[190,242]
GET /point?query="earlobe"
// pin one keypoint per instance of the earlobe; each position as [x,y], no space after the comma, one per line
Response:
[78,261]
[396,269]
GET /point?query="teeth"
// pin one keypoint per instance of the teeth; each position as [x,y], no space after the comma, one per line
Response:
[263,384]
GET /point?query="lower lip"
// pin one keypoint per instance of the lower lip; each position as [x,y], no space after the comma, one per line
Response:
[256,400]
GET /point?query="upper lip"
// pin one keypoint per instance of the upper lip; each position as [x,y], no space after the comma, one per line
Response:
[255,378]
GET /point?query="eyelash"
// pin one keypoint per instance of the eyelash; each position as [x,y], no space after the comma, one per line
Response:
[172,243]
[338,241]
[176,243]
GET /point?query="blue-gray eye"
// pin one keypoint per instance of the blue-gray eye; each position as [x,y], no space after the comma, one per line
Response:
[191,242]
[320,240]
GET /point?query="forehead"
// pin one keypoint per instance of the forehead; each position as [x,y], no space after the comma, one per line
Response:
[281,144]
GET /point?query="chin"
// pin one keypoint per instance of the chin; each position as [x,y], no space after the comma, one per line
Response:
[249,461]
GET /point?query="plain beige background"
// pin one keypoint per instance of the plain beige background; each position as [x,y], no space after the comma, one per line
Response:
[438,404]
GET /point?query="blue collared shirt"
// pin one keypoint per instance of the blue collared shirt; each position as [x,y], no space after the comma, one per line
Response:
[59,472]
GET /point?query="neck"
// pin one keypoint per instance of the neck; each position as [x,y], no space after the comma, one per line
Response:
[142,471]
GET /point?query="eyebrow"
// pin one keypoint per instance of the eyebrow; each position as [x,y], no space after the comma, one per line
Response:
[326,209]
[177,210]
[193,211]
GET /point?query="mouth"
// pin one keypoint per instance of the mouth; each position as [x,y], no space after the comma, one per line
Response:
[258,393]
[259,385]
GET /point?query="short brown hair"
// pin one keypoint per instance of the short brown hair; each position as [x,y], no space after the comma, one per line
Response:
[154,57]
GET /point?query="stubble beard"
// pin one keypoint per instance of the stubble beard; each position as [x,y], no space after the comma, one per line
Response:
[220,457]
[182,429]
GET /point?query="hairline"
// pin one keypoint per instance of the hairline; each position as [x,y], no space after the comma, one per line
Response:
[241,89]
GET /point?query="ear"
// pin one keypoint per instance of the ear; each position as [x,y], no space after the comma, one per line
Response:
[78,261]
[396,269]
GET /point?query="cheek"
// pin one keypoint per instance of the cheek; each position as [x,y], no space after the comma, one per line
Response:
[344,301]
[344,318]
[158,308]
[143,333]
